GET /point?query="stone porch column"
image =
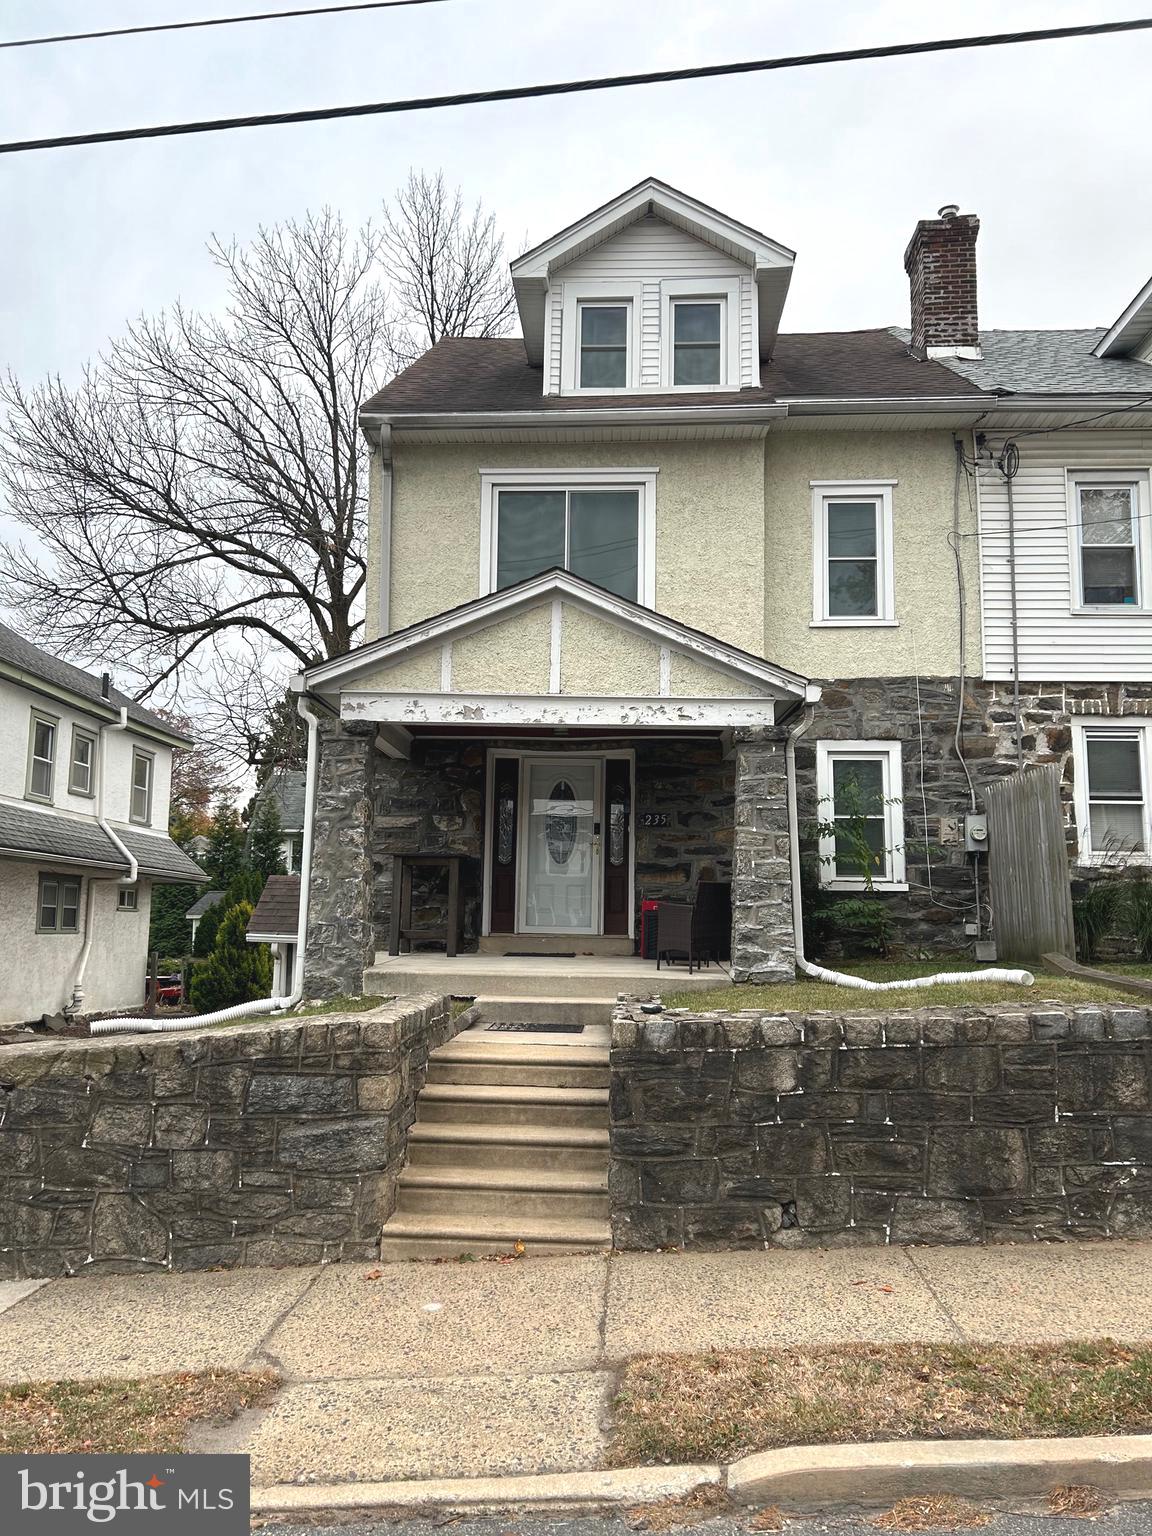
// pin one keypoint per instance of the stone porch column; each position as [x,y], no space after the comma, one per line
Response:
[763,948]
[341,933]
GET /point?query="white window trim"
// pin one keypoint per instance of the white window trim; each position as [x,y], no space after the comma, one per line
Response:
[597,291]
[880,491]
[890,755]
[726,292]
[1124,725]
[128,899]
[42,717]
[1142,511]
[80,733]
[492,481]
[139,754]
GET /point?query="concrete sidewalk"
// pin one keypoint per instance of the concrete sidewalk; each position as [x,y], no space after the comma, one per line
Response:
[453,1370]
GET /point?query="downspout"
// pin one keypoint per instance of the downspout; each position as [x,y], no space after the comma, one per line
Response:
[76,1006]
[261,1004]
[838,978]
[1008,463]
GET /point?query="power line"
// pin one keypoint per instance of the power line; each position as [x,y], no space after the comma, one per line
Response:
[210,21]
[569,87]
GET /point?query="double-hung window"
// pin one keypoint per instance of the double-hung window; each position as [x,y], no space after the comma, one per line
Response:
[1111,767]
[595,524]
[58,905]
[859,788]
[82,768]
[141,804]
[42,756]
[1109,516]
[604,346]
[697,341]
[853,580]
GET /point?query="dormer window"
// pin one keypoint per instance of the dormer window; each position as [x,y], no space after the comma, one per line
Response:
[604,346]
[697,339]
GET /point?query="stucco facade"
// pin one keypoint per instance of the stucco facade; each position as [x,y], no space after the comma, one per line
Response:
[38,969]
[734,540]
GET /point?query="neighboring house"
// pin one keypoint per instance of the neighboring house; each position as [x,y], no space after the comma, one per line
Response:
[84,787]
[617,565]
[275,922]
[285,788]
[197,910]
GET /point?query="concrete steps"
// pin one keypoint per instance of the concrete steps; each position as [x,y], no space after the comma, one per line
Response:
[497,1104]
[509,1147]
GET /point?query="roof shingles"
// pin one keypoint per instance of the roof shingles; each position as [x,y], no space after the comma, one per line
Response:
[28,833]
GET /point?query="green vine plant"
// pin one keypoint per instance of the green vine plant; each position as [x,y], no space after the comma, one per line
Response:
[853,922]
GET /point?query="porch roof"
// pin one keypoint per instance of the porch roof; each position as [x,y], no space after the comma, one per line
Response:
[556,650]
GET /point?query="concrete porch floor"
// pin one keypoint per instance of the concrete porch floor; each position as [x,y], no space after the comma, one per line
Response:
[584,978]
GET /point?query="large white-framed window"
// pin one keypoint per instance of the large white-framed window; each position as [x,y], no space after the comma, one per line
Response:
[1110,543]
[853,566]
[860,811]
[600,338]
[598,524]
[43,733]
[700,335]
[1111,763]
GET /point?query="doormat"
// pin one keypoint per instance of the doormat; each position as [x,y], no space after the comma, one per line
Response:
[537,1029]
[539,954]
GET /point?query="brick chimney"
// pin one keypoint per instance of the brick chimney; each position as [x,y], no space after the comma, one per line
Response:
[941,265]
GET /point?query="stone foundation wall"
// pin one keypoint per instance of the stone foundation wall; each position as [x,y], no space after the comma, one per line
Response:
[935,1125]
[942,892]
[259,1143]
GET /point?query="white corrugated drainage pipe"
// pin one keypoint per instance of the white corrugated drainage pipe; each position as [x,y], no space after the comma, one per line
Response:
[838,978]
[261,1004]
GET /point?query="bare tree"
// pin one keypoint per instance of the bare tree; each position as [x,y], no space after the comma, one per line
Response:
[448,269]
[206,477]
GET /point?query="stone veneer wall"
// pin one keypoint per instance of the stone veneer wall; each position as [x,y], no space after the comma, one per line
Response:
[259,1143]
[341,934]
[934,1125]
[932,916]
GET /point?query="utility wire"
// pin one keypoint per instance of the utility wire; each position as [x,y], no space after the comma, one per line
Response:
[569,87]
[209,21]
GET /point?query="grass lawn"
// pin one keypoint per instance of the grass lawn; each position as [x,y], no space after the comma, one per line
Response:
[123,1417]
[719,1406]
[805,995]
[359,1004]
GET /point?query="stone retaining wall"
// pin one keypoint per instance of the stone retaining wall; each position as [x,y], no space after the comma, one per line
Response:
[259,1143]
[935,1125]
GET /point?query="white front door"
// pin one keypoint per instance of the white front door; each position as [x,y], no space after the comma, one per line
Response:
[560,884]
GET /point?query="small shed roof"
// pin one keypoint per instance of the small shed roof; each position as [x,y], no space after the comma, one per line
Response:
[277,914]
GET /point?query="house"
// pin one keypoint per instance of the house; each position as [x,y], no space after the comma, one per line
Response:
[275,921]
[628,568]
[197,910]
[84,789]
[285,788]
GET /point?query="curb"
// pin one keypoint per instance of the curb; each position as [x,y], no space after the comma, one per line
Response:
[819,1476]
[557,1490]
[883,1472]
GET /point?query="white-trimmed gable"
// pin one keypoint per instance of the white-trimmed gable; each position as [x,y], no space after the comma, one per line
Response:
[555,650]
[646,249]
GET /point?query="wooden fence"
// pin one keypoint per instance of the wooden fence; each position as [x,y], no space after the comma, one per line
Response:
[1028,866]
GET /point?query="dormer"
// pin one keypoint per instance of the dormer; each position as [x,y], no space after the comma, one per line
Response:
[1131,335]
[652,293]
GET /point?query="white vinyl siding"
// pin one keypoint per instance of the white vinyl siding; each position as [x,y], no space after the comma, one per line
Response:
[646,258]
[1058,638]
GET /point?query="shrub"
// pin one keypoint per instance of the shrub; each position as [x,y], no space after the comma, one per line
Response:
[235,971]
[1138,912]
[1095,911]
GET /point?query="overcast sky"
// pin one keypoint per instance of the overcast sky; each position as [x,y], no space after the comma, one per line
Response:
[1047,143]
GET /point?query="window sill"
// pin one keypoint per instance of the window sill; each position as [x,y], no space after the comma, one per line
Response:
[854,624]
[39,799]
[882,886]
[1097,610]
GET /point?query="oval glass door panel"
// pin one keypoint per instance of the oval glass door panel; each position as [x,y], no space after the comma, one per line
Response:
[561,860]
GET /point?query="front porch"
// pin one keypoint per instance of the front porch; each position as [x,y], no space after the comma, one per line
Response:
[565,756]
[583,978]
